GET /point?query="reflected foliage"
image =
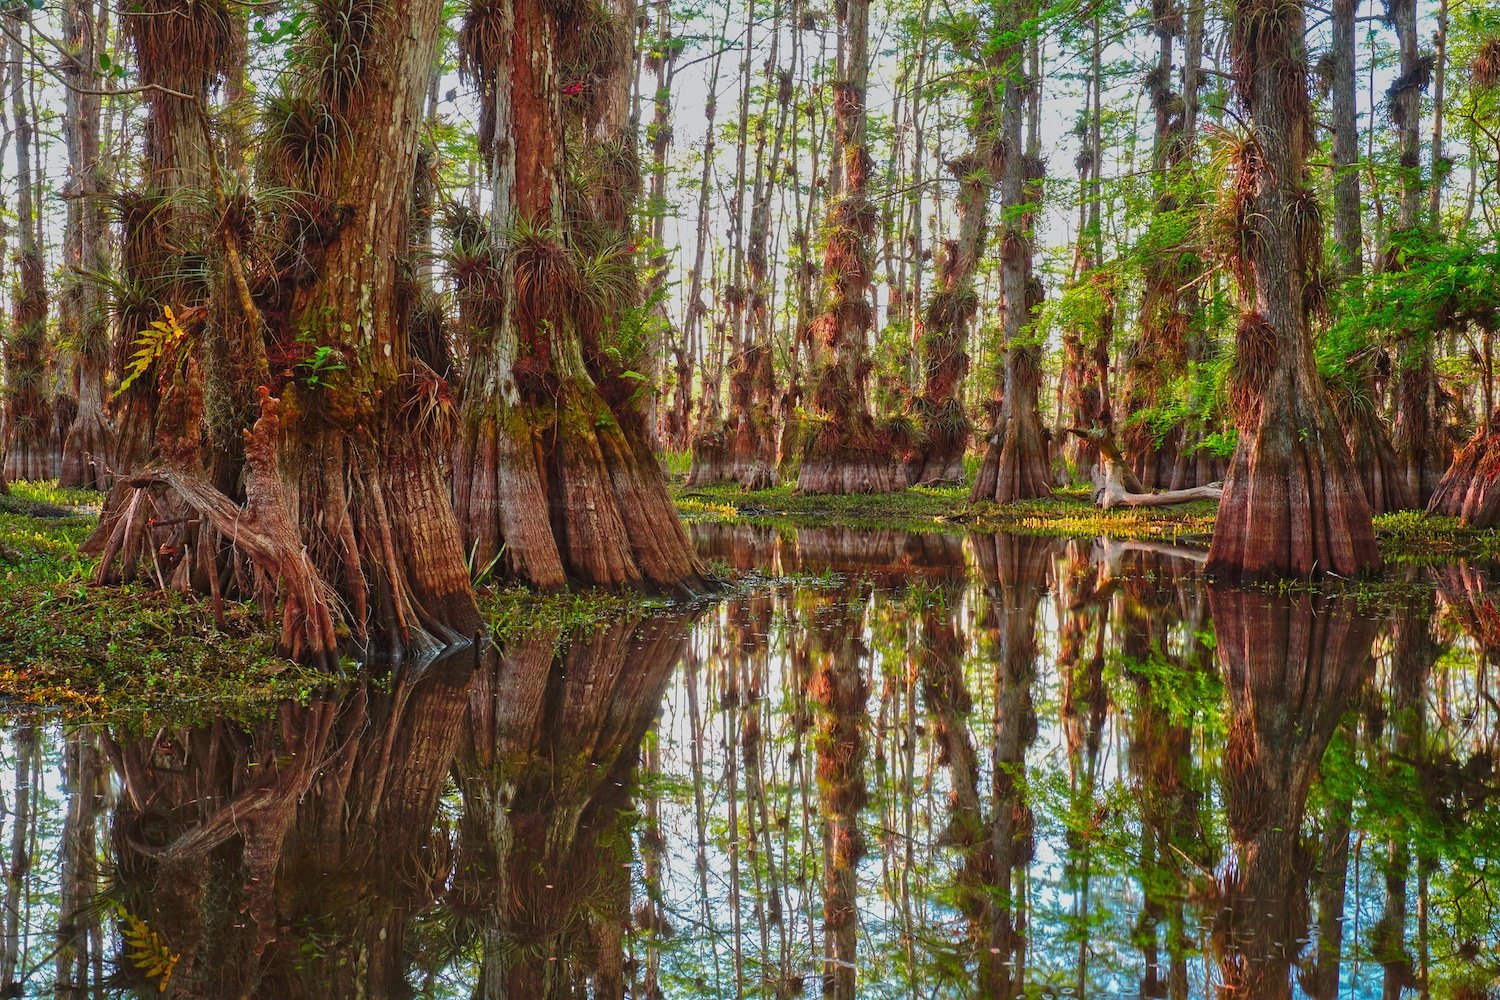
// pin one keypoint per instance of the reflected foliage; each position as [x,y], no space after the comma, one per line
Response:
[894,764]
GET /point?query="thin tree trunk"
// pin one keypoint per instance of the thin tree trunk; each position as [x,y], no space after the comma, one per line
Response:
[753,450]
[846,451]
[28,408]
[89,441]
[1015,465]
[1416,436]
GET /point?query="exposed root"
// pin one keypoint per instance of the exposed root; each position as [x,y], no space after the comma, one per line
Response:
[273,565]
[1470,489]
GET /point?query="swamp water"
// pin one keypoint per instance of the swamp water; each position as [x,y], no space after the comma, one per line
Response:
[908,765]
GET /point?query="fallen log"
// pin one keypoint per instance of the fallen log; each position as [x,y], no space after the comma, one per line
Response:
[1115,485]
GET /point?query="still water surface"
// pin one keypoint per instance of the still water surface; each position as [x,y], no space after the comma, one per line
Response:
[908,765]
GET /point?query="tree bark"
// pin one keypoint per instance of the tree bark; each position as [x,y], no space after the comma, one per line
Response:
[1015,465]
[1416,438]
[1160,353]
[89,441]
[845,451]
[1293,504]
[554,473]
[28,407]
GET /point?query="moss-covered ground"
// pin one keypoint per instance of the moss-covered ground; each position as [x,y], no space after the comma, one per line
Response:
[69,647]
[1405,537]
[140,653]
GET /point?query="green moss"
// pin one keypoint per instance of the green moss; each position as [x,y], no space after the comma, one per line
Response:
[133,652]
[514,613]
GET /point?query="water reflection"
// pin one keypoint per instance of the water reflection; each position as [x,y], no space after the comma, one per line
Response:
[921,765]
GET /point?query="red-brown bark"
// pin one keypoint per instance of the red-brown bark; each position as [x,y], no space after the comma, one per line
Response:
[946,427]
[1470,489]
[1160,352]
[344,501]
[1293,504]
[845,451]
[553,473]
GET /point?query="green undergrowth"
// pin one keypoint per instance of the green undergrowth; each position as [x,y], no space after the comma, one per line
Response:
[1069,513]
[135,652]
[1415,537]
[514,613]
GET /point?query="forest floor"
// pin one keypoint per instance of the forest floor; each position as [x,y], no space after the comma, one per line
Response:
[144,655]
[139,653]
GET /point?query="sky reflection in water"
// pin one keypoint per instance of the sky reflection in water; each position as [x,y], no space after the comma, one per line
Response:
[920,765]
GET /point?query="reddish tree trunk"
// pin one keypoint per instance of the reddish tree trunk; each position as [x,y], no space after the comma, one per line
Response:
[1470,489]
[946,428]
[1293,504]
[845,451]
[554,474]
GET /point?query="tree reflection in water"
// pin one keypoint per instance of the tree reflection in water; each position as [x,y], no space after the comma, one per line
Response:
[910,765]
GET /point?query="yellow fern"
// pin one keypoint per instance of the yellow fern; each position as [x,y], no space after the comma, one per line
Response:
[146,949]
[151,344]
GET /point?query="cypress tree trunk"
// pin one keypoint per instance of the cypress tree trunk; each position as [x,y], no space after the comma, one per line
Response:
[1293,504]
[1381,474]
[806,216]
[1015,465]
[1348,235]
[753,452]
[554,473]
[89,441]
[1416,436]
[845,452]
[180,50]
[662,59]
[1084,387]
[946,426]
[1161,352]
[28,408]
[346,513]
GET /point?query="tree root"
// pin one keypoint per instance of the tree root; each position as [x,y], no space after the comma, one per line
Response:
[268,561]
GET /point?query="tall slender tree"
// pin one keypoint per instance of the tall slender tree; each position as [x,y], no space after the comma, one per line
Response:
[28,407]
[845,451]
[1015,465]
[89,441]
